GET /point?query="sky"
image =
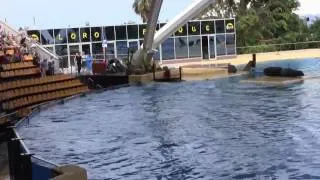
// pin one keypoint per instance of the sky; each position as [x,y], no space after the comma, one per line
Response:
[74,13]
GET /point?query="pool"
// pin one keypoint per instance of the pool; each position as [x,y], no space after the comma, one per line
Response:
[216,129]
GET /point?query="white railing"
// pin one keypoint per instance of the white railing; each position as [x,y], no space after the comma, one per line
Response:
[44,52]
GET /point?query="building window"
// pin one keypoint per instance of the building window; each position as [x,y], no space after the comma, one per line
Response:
[168,49]
[85,35]
[110,51]
[122,49]
[194,46]
[231,44]
[73,35]
[62,51]
[97,49]
[181,47]
[221,45]
[194,28]
[35,35]
[109,33]
[230,26]
[60,36]
[182,31]
[133,32]
[96,34]
[220,26]
[121,32]
[47,37]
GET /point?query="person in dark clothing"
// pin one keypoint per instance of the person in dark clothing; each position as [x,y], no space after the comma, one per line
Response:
[79,62]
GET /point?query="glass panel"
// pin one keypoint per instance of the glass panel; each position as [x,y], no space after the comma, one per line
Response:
[109,33]
[133,32]
[181,47]
[182,31]
[220,26]
[85,34]
[62,51]
[73,49]
[221,45]
[231,44]
[97,51]
[168,49]
[50,48]
[230,26]
[86,49]
[47,37]
[122,49]
[133,45]
[73,35]
[96,34]
[194,46]
[110,51]
[212,45]
[142,30]
[205,47]
[121,32]
[35,35]
[194,28]
[60,36]
[207,27]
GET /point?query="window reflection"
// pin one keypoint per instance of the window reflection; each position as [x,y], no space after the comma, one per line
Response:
[168,49]
[181,47]
[194,46]
[122,49]
[62,51]
[47,37]
[110,51]
[220,27]
[221,45]
[231,45]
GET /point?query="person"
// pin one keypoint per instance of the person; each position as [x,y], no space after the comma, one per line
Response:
[51,67]
[79,62]
[89,61]
[43,67]
[23,35]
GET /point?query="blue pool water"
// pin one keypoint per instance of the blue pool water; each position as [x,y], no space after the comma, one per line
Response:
[219,129]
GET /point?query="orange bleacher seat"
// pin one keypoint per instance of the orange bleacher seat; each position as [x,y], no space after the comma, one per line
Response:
[27,58]
[10,52]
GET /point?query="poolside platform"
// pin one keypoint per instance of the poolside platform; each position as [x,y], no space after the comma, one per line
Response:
[266,80]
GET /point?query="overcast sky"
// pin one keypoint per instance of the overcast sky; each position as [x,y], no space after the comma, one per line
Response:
[64,13]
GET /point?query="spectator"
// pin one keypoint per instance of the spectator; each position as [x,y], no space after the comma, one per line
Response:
[44,67]
[51,67]
[79,62]
[23,35]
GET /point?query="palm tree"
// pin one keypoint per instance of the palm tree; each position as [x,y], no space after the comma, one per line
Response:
[142,8]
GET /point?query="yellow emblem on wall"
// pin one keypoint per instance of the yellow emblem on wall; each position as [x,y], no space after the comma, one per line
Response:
[230,26]
[35,37]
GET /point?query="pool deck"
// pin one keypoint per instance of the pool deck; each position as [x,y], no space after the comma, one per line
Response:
[245,58]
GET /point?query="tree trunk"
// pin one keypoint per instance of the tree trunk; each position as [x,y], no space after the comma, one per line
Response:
[142,58]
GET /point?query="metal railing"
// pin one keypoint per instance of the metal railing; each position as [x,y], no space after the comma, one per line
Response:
[23,165]
[278,47]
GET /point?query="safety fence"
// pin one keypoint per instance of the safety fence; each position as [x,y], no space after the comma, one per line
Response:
[278,47]
[23,165]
